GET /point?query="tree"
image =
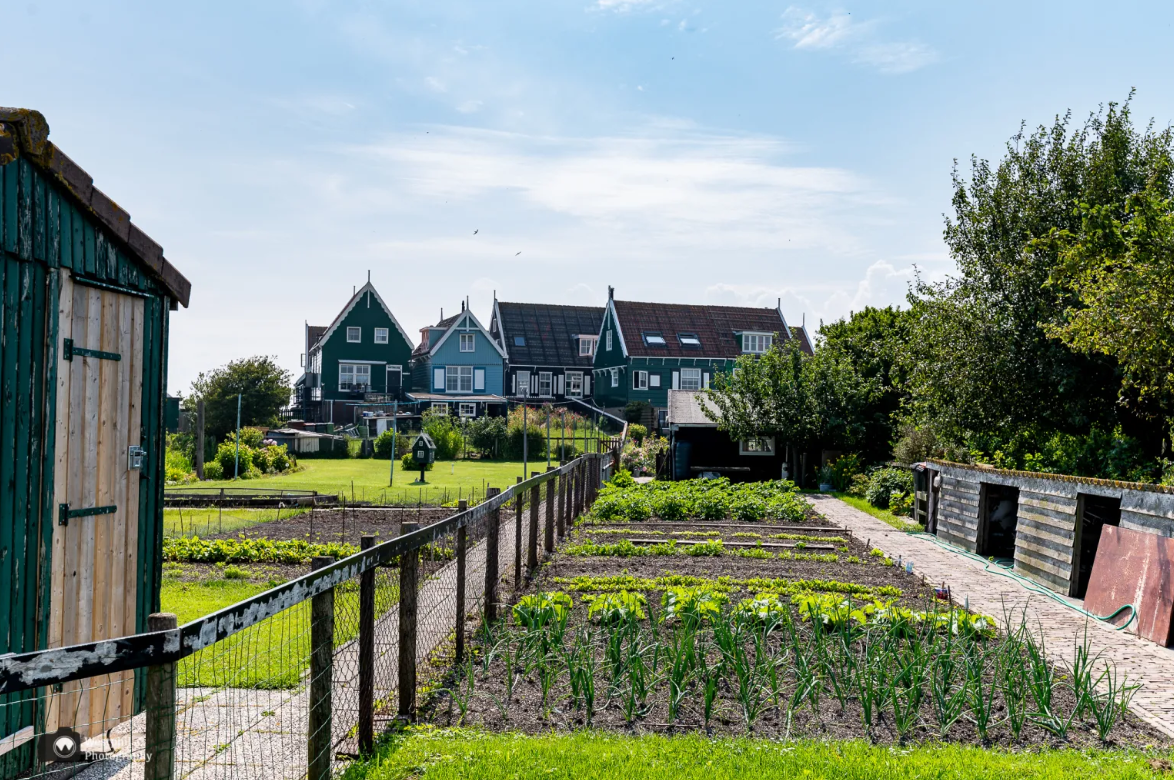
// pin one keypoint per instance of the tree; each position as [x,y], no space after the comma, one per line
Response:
[264,388]
[982,364]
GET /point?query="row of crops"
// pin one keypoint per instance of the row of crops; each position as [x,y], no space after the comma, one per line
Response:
[701,499]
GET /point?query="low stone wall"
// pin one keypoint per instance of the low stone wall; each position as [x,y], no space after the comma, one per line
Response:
[1047,530]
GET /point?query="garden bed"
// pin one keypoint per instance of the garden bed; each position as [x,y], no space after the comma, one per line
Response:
[846,647]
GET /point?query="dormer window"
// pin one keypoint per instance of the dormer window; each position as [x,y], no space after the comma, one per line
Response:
[689,339]
[756,343]
[519,341]
[587,345]
[654,339]
[354,335]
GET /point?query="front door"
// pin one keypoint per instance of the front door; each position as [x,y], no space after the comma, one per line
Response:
[395,379]
[94,576]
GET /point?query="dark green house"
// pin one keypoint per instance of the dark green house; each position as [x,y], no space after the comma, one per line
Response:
[647,349]
[361,357]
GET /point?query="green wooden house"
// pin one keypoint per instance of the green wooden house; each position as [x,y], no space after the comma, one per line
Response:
[647,349]
[85,298]
[361,357]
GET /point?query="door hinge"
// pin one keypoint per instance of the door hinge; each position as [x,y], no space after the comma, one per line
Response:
[64,512]
[69,350]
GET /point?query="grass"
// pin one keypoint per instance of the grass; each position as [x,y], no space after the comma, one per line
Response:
[205,521]
[274,653]
[884,515]
[366,479]
[444,754]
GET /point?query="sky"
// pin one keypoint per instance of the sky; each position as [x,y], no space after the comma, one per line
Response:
[694,152]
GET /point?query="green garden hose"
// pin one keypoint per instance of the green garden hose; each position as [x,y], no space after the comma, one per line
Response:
[1029,585]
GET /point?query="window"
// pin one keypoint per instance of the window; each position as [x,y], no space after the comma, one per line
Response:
[689,339]
[690,378]
[574,384]
[468,343]
[615,377]
[519,341]
[467,410]
[756,343]
[639,380]
[587,345]
[458,379]
[381,335]
[441,406]
[654,340]
[354,335]
[522,383]
[607,346]
[354,376]
[478,379]
[545,384]
[654,380]
[759,445]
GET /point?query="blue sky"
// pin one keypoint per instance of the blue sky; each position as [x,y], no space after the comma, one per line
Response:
[733,152]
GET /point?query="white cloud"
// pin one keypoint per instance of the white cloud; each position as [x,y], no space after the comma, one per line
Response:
[624,6]
[858,40]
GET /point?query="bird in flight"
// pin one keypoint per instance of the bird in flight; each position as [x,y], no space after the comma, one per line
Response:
[475,231]
[517,254]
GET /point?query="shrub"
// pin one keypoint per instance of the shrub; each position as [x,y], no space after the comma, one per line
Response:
[534,437]
[440,426]
[884,482]
[636,411]
[637,432]
[213,470]
[748,508]
[638,508]
[901,503]
[263,460]
[787,507]
[844,470]
[486,434]
[670,506]
[226,455]
[408,463]
[713,505]
[250,437]
[281,461]
[858,486]
[403,443]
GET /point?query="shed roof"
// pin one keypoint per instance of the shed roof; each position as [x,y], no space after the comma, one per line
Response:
[24,131]
[549,331]
[714,326]
[685,408]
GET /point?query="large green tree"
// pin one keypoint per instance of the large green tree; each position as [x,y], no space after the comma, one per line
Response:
[263,386]
[982,363]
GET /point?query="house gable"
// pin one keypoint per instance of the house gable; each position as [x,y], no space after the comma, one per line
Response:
[367,312]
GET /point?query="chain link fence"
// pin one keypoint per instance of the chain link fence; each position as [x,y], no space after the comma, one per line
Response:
[296,681]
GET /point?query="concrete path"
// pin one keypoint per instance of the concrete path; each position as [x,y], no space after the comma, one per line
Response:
[992,593]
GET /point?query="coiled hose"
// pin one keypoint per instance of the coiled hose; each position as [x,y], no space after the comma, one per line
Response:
[1028,584]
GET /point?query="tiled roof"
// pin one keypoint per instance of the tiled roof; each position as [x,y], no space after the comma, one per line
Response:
[25,131]
[550,332]
[685,408]
[804,343]
[715,327]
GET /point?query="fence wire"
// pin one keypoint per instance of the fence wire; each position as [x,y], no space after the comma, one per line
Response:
[257,703]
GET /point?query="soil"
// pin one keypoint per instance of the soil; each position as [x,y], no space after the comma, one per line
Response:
[525,711]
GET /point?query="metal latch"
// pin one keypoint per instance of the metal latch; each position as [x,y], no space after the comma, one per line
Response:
[69,350]
[64,512]
[135,457]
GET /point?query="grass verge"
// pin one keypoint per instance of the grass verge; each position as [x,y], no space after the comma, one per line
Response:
[444,754]
[206,521]
[885,516]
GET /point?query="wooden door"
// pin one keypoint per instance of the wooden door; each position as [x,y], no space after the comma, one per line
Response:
[94,586]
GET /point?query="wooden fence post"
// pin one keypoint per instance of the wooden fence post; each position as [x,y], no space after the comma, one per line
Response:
[159,739]
[462,541]
[518,538]
[492,532]
[367,654]
[532,552]
[199,453]
[407,627]
[318,731]
[562,503]
[550,514]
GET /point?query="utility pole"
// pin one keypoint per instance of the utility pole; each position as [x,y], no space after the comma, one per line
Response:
[394,434]
[236,464]
[548,411]
[525,437]
[199,453]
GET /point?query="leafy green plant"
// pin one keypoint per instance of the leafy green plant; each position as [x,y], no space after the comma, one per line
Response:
[617,607]
[538,610]
[701,549]
[670,507]
[192,549]
[691,605]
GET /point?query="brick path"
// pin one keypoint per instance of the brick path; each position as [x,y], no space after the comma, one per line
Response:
[991,593]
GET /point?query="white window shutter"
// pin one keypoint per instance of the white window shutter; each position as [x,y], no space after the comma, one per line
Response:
[559,389]
[705,379]
[438,379]
[587,385]
[676,380]
[513,384]
[478,379]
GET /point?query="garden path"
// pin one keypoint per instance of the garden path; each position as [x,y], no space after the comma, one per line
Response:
[992,593]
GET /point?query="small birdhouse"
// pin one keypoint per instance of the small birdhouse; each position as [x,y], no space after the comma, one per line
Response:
[423,449]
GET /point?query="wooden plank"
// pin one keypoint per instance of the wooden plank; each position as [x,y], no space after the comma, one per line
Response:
[24,206]
[1065,525]
[1059,558]
[1056,503]
[1045,531]
[118,526]
[134,436]
[9,456]
[1040,562]
[91,423]
[1042,573]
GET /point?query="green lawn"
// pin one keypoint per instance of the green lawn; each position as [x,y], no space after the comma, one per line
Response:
[207,521]
[273,653]
[440,755]
[885,516]
[368,479]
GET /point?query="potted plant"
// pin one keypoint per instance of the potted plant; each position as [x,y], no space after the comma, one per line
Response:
[825,480]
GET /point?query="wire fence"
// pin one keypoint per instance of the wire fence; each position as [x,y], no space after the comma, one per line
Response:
[297,681]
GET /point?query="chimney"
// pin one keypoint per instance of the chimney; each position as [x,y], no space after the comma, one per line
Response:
[611,292]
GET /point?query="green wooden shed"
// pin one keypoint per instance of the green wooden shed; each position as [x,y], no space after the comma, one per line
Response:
[85,297]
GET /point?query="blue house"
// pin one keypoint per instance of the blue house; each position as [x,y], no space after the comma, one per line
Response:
[459,367]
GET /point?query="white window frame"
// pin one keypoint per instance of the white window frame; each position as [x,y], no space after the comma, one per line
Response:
[574,384]
[454,379]
[639,380]
[587,345]
[690,378]
[381,335]
[607,346]
[654,380]
[756,343]
[355,370]
[466,409]
[689,339]
[357,333]
[547,378]
[442,405]
[471,340]
[655,340]
[615,377]
[522,383]
[757,446]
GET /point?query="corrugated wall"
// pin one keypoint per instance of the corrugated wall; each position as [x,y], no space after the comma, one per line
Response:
[41,230]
